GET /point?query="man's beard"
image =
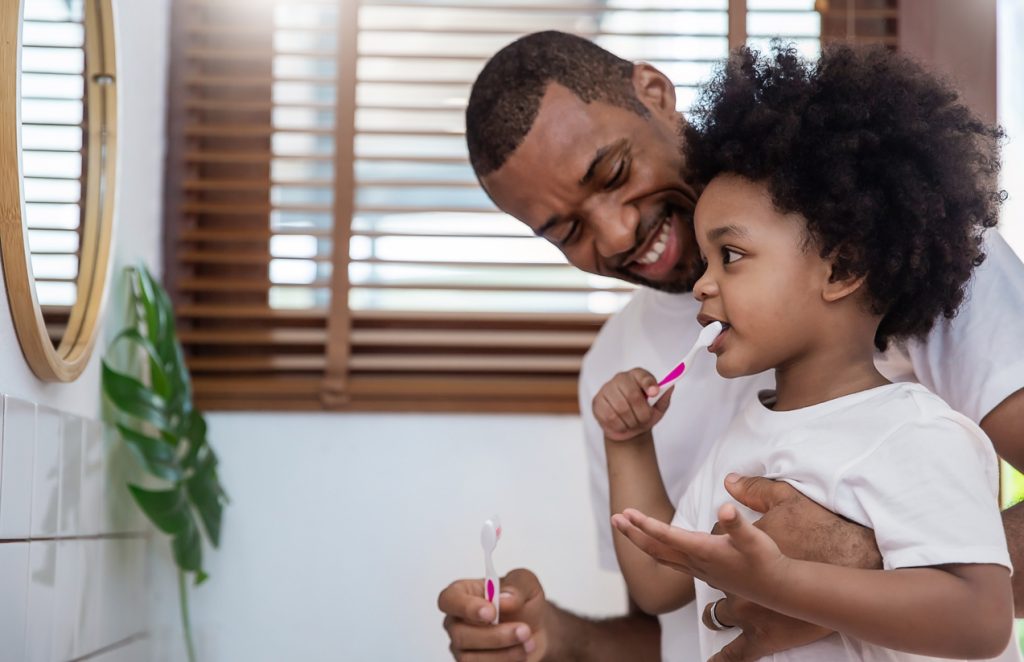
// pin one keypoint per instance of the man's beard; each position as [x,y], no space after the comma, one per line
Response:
[685,272]
[685,281]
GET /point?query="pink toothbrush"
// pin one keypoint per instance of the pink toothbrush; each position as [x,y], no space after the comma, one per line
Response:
[704,339]
[489,535]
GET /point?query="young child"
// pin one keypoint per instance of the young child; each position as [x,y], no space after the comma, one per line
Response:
[843,208]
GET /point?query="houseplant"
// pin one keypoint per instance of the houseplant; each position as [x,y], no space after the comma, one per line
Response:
[150,394]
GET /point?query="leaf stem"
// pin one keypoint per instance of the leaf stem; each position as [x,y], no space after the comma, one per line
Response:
[185,621]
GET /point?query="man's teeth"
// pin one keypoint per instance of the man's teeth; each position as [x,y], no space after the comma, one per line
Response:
[652,256]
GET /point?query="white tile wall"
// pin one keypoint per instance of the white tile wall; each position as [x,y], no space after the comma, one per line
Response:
[14,594]
[92,511]
[42,595]
[133,651]
[71,474]
[69,594]
[72,574]
[16,480]
[46,481]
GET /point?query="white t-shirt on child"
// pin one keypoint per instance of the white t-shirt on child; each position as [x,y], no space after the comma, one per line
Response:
[973,362]
[895,459]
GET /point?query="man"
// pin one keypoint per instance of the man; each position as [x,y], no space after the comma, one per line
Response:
[583,147]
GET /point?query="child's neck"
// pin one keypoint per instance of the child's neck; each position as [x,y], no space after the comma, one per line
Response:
[826,374]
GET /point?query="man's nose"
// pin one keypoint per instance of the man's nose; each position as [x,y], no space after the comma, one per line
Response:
[615,227]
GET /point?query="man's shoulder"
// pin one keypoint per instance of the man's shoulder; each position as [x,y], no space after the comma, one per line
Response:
[648,313]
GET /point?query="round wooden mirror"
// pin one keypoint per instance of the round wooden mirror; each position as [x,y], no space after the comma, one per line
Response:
[58,128]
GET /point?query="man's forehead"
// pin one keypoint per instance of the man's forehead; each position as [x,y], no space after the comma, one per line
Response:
[542,175]
[566,127]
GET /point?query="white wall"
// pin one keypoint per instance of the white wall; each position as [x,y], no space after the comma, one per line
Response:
[343,529]
[72,549]
[142,30]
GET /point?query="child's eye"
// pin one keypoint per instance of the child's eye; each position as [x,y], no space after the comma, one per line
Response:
[729,255]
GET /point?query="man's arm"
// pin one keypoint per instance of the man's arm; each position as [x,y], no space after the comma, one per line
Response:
[1004,425]
[536,630]
[635,636]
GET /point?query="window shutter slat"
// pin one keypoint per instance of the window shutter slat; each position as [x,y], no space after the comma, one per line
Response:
[860,21]
[328,245]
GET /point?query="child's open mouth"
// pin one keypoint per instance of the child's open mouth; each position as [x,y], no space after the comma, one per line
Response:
[716,346]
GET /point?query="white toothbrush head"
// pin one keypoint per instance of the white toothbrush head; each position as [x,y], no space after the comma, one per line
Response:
[490,533]
[706,336]
[709,333]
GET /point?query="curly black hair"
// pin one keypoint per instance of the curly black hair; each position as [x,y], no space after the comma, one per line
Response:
[506,96]
[894,175]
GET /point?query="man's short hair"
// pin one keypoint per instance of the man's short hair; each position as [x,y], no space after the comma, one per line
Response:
[506,95]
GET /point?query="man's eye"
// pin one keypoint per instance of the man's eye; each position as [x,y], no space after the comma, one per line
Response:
[619,176]
[729,255]
[570,233]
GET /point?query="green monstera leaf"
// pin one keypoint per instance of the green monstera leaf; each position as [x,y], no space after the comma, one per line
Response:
[154,416]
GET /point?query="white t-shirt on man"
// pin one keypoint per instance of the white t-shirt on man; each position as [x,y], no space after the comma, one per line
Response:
[973,362]
[894,458]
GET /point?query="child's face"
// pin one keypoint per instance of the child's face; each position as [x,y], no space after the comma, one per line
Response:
[763,278]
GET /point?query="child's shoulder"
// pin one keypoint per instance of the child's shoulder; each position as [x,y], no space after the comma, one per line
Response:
[918,406]
[919,420]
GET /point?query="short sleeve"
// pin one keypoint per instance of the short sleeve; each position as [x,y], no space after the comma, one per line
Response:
[976,360]
[930,493]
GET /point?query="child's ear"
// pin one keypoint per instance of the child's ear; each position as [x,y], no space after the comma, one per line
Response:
[839,285]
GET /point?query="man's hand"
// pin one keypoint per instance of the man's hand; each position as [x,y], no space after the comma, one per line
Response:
[764,631]
[520,635]
[803,530]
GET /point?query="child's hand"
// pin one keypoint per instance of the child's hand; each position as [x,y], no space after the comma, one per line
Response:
[621,406]
[743,561]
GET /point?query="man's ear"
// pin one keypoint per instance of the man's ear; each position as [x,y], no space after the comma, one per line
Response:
[654,90]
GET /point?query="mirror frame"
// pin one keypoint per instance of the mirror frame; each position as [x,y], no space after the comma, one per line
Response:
[65,362]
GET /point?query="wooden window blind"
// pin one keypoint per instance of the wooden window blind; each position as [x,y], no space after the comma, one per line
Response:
[53,150]
[860,21]
[327,245]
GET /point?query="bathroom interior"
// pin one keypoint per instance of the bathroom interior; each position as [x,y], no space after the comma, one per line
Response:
[371,392]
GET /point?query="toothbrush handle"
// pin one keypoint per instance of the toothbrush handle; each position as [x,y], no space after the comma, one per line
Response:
[687,360]
[492,589]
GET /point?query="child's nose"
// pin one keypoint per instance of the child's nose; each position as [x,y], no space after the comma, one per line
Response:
[705,287]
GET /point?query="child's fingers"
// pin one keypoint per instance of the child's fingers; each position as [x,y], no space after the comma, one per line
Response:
[647,382]
[668,545]
[651,547]
[639,412]
[612,413]
[619,402]
[669,535]
[637,388]
[743,533]
[662,403]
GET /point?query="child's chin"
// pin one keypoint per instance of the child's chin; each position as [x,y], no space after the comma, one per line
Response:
[732,369]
